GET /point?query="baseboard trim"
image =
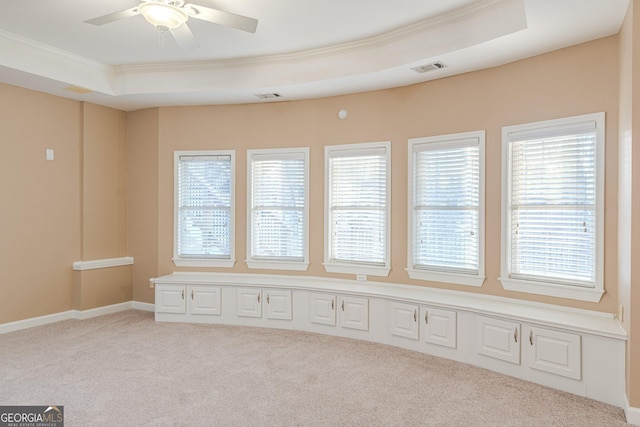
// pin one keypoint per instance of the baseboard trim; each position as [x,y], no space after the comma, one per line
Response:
[101,311]
[32,322]
[144,306]
[632,414]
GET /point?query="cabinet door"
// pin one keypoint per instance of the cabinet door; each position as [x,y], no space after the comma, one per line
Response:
[354,313]
[439,326]
[555,352]
[278,304]
[249,302]
[322,309]
[204,300]
[498,339]
[171,299]
[404,320]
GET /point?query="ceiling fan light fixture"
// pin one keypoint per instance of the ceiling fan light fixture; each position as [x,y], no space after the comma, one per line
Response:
[163,16]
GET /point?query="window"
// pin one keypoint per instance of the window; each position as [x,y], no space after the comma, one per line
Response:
[357,208]
[553,194]
[277,226]
[204,209]
[446,212]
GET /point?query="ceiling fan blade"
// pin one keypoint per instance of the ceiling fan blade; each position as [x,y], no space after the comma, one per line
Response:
[115,16]
[184,37]
[228,19]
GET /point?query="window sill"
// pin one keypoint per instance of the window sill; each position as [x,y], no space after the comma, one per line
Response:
[204,262]
[357,269]
[277,265]
[552,290]
[442,277]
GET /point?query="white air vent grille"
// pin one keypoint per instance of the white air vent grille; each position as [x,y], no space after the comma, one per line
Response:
[268,95]
[429,67]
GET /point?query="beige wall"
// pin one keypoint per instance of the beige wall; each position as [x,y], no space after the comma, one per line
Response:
[142,199]
[101,287]
[104,179]
[41,202]
[61,211]
[629,202]
[104,213]
[572,81]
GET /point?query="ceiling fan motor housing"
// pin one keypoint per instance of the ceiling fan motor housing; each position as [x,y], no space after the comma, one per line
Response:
[163,15]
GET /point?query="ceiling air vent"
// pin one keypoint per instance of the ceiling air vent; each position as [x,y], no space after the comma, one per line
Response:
[268,95]
[429,67]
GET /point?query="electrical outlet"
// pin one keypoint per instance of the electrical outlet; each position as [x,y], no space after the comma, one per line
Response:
[361,277]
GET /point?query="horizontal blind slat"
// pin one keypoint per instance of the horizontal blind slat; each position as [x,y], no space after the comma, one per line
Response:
[204,206]
[358,206]
[278,204]
[446,207]
[553,197]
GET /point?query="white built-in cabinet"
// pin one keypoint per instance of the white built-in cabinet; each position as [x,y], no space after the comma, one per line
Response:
[194,303]
[277,303]
[547,350]
[499,339]
[440,326]
[577,352]
[353,311]
[435,325]
[403,320]
[556,352]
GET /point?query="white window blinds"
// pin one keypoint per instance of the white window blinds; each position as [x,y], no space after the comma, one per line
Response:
[446,203]
[277,206]
[553,203]
[204,206]
[358,205]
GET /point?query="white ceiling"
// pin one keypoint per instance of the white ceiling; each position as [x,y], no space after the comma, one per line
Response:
[301,49]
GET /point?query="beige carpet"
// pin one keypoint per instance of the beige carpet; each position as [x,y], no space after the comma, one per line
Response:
[127,370]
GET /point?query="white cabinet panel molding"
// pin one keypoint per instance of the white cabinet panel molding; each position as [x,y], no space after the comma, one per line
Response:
[204,300]
[322,309]
[171,299]
[440,326]
[404,320]
[278,304]
[555,352]
[249,302]
[499,339]
[354,313]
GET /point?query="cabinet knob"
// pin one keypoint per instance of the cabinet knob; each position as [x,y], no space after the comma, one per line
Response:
[267,298]
[192,294]
[258,296]
[332,304]
[342,305]
[415,315]
[515,334]
[426,317]
[531,337]
[183,294]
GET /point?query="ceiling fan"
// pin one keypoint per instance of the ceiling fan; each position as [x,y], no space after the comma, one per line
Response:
[172,15]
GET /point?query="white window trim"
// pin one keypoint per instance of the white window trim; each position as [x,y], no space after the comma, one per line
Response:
[445,277]
[547,288]
[204,262]
[278,264]
[349,267]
